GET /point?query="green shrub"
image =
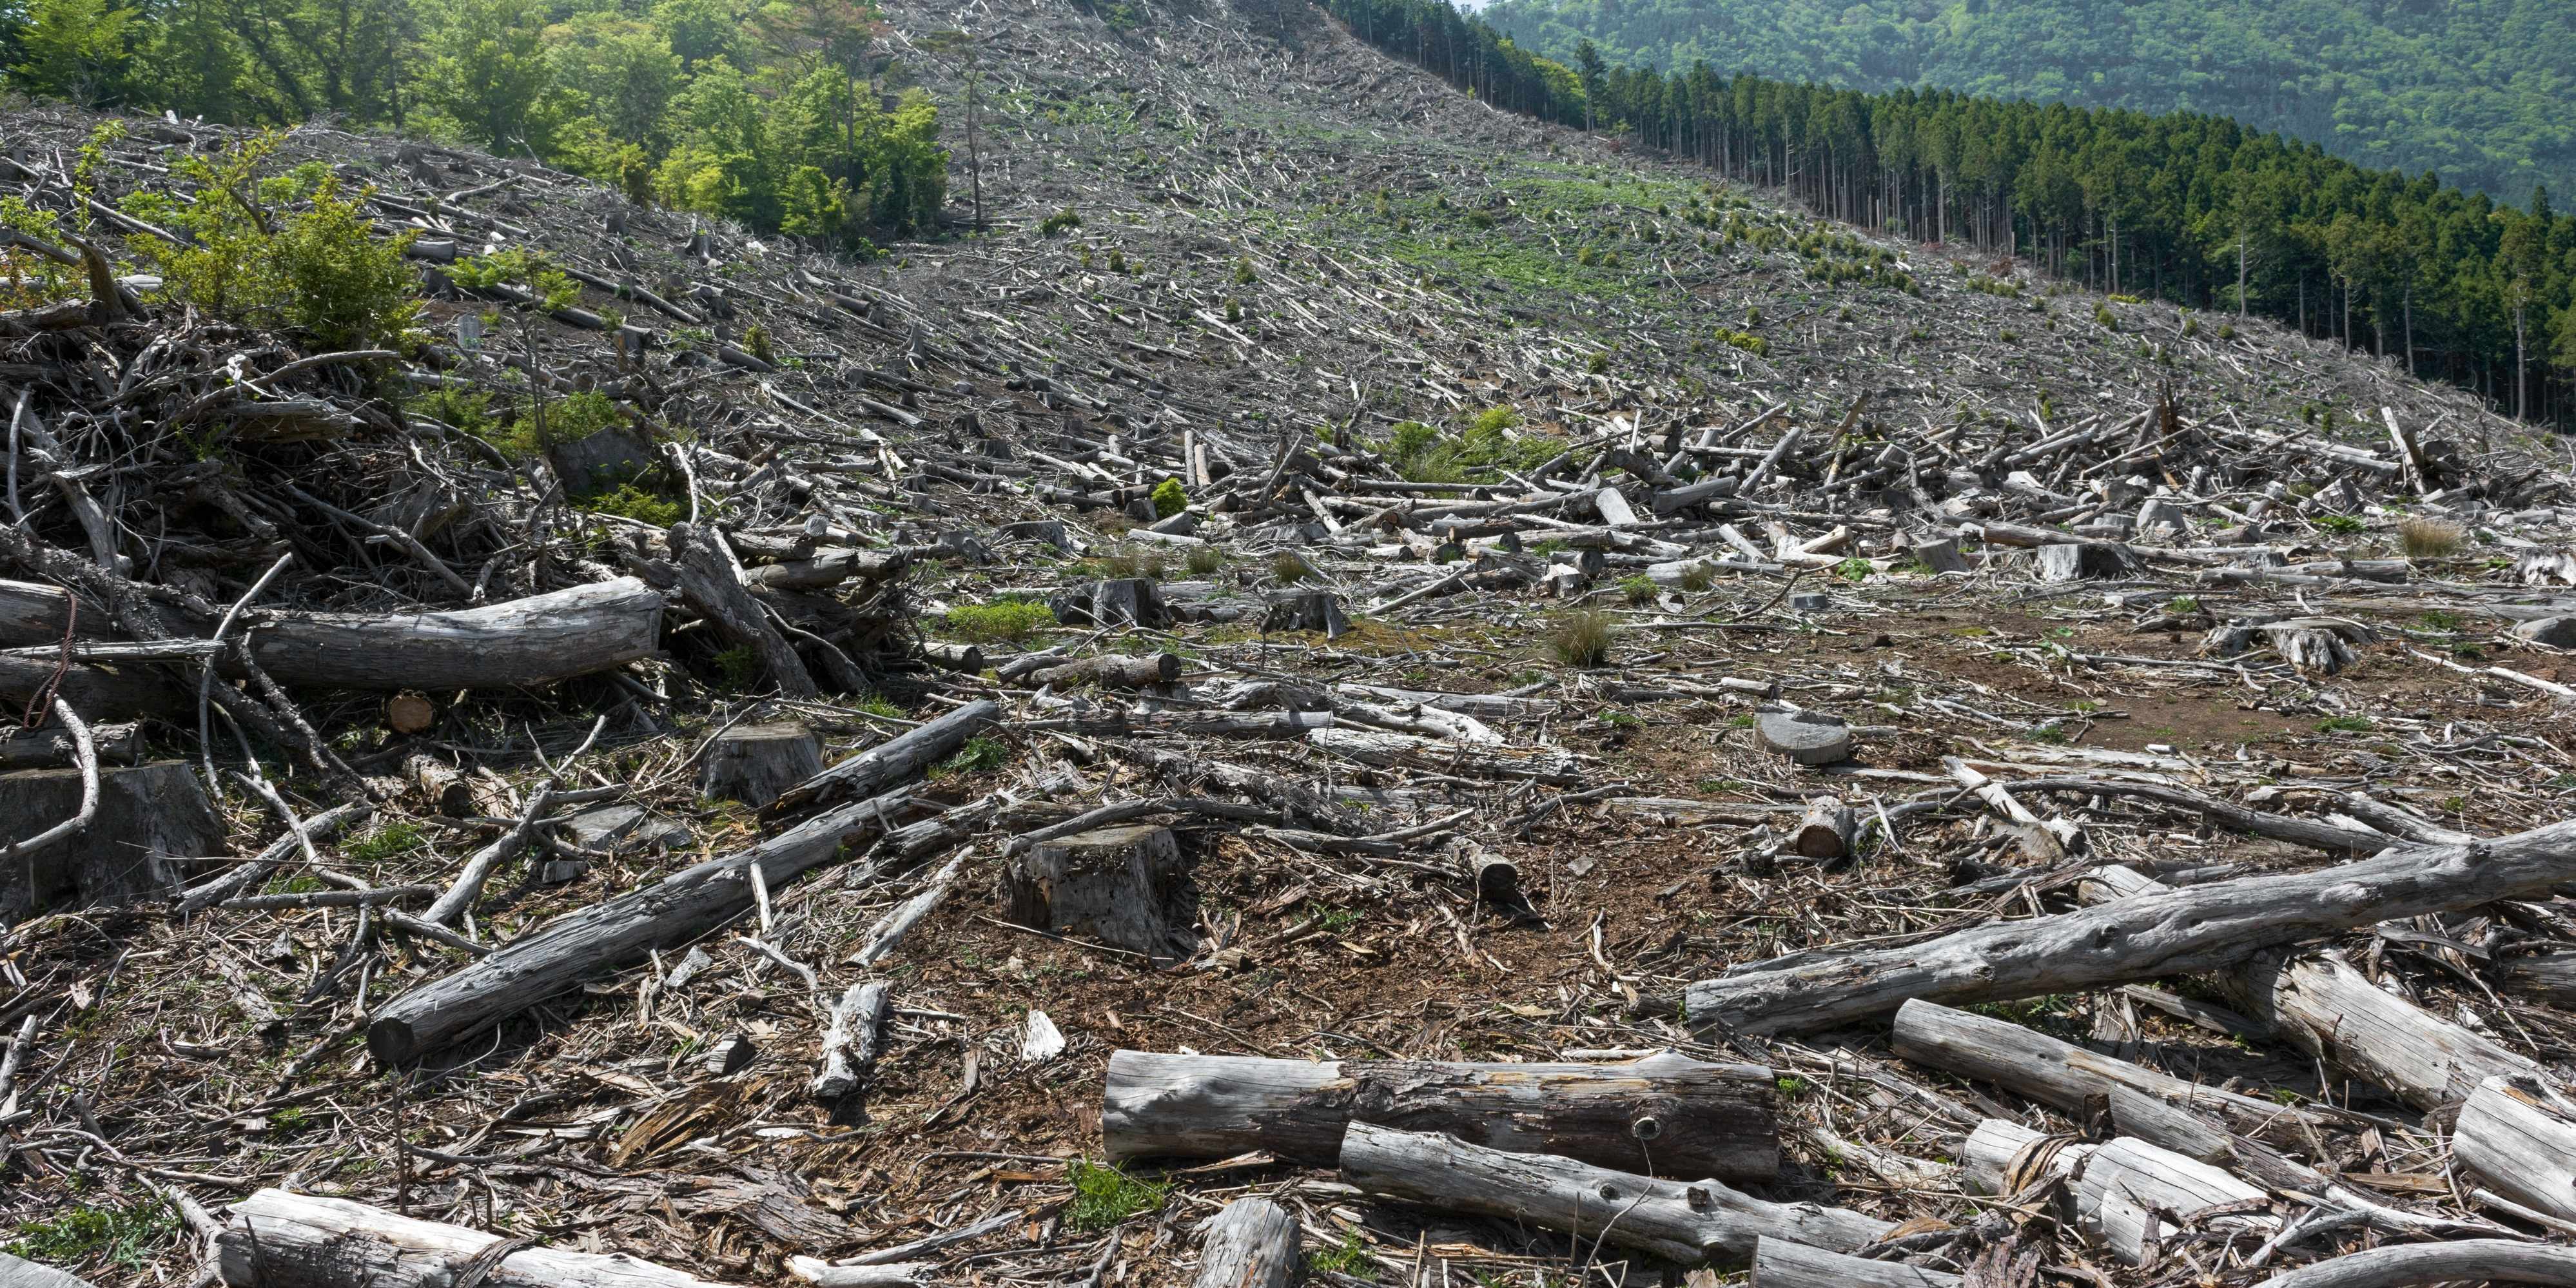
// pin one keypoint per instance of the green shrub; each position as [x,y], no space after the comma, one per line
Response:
[981,752]
[1059,222]
[1105,1195]
[2103,315]
[1003,621]
[565,420]
[1169,498]
[400,836]
[632,502]
[1639,589]
[1349,1258]
[1243,274]
[1204,560]
[128,1236]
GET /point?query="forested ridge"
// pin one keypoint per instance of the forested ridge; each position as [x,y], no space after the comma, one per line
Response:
[784,116]
[2182,206]
[2476,91]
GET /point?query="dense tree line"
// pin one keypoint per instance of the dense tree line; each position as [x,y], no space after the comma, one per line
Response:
[773,114]
[2182,206]
[2474,89]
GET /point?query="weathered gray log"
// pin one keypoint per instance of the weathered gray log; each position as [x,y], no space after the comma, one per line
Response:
[2329,1009]
[828,568]
[850,1044]
[51,748]
[2124,1188]
[2030,1063]
[1110,671]
[1249,1243]
[2197,928]
[112,693]
[146,816]
[15,1273]
[2525,1149]
[2547,977]
[1125,884]
[954,657]
[2503,1261]
[282,1240]
[561,954]
[711,583]
[1686,1223]
[1778,1263]
[35,613]
[1825,830]
[755,764]
[898,759]
[1666,1113]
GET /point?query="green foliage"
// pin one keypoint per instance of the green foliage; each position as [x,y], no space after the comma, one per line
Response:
[629,501]
[1855,569]
[1105,1196]
[1243,274]
[2105,318]
[1204,560]
[1349,1257]
[2347,724]
[1169,498]
[2344,524]
[1061,221]
[981,752]
[1006,621]
[287,250]
[1288,568]
[73,49]
[397,836]
[126,1236]
[568,419]
[739,666]
[1488,444]
[1638,589]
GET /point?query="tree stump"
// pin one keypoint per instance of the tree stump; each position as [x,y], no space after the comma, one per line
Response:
[1311,610]
[1807,737]
[147,815]
[1131,601]
[756,764]
[1125,885]
[1250,1243]
[1826,831]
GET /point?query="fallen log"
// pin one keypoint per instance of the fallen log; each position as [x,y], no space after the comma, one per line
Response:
[2525,1149]
[51,748]
[2326,1007]
[2465,1261]
[2546,977]
[536,640]
[1686,1223]
[282,1240]
[1109,671]
[850,1045]
[1249,1243]
[562,953]
[1778,1263]
[15,1273]
[2127,1192]
[1666,1113]
[2184,931]
[896,760]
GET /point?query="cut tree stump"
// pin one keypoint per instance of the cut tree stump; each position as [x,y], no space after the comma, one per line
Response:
[282,1240]
[895,760]
[2525,1150]
[756,764]
[1681,1222]
[1249,1243]
[1307,610]
[1807,737]
[1131,601]
[2197,928]
[147,815]
[1668,1113]
[1127,885]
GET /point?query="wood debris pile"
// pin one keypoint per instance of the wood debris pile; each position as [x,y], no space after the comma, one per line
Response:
[982,768]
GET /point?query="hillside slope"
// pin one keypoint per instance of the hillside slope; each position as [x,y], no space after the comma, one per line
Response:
[2470,91]
[1367,544]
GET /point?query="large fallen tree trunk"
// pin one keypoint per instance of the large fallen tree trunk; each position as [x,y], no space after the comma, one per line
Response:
[2502,1261]
[1778,1263]
[1687,1223]
[670,912]
[282,1240]
[535,640]
[1666,1114]
[2525,1150]
[2193,929]
[2328,1008]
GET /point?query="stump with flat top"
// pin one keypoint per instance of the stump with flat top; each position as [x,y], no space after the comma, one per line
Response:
[1126,885]
[1807,737]
[146,816]
[756,764]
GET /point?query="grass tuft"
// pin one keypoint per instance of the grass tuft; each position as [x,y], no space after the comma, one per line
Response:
[1007,621]
[1584,638]
[2423,538]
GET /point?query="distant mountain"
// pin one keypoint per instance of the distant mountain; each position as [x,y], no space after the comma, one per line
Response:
[2477,90]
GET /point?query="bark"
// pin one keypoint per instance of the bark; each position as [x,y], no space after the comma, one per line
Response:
[2546,977]
[1778,1263]
[827,568]
[850,1045]
[2525,1149]
[2055,1073]
[1250,1243]
[1825,832]
[51,747]
[2177,932]
[712,585]
[1124,884]
[1667,1114]
[896,760]
[144,817]
[754,764]
[1110,671]
[2503,1261]
[536,640]
[2127,1192]
[282,1240]
[561,954]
